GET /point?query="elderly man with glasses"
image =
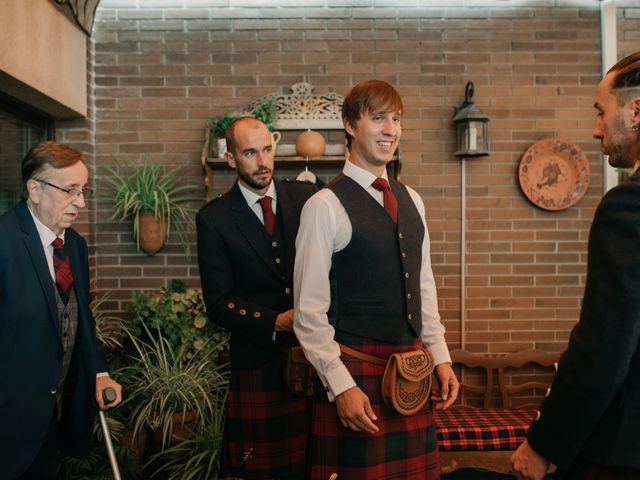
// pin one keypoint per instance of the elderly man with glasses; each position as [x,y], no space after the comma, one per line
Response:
[52,368]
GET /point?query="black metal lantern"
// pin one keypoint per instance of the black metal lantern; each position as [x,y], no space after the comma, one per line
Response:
[472,130]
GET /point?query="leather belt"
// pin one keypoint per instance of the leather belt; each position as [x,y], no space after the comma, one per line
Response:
[362,356]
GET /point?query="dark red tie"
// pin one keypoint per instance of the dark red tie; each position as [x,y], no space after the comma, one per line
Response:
[267,214]
[62,268]
[389,199]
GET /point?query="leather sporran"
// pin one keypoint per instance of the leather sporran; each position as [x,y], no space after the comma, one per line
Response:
[298,373]
[406,383]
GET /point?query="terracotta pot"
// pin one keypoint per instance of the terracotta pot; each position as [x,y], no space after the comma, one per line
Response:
[137,444]
[310,144]
[182,427]
[152,233]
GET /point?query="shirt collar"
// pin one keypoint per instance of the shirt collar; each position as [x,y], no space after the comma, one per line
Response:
[45,233]
[362,177]
[252,197]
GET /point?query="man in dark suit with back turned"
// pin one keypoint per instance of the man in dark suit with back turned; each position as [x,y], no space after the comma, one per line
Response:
[246,243]
[52,369]
[589,424]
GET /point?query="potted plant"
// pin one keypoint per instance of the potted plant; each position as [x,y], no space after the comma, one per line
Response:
[171,394]
[153,197]
[175,367]
[179,314]
[174,381]
[218,127]
[196,457]
[266,112]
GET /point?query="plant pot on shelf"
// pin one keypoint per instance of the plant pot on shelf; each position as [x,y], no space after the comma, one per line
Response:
[152,232]
[222,147]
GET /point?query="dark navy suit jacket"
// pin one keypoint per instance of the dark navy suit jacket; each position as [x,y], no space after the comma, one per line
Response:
[31,348]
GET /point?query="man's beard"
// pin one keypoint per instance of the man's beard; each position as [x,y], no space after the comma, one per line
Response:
[248,178]
[620,147]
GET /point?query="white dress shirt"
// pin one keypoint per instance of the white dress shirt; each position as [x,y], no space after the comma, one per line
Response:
[47,236]
[252,199]
[325,229]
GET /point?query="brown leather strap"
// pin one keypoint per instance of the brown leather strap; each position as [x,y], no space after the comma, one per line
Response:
[361,356]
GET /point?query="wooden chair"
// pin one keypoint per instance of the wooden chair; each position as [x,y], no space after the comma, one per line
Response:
[479,374]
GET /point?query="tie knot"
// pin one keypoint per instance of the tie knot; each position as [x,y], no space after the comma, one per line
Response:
[265,203]
[58,243]
[380,184]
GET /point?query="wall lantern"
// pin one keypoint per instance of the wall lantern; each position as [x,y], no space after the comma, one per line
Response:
[472,130]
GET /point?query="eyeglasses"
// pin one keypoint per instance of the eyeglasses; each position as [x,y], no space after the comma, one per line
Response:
[87,193]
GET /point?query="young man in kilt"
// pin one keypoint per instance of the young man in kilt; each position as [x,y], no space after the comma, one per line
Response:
[363,279]
[246,241]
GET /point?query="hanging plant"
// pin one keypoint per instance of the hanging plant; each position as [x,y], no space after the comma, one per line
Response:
[149,193]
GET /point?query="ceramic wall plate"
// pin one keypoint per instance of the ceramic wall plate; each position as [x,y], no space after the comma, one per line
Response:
[554,174]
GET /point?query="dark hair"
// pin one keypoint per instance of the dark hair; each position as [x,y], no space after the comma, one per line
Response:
[230,132]
[626,80]
[52,154]
[369,96]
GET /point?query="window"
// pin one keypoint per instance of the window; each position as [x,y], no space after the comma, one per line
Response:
[20,128]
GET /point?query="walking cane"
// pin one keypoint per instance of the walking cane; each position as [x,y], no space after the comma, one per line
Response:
[108,396]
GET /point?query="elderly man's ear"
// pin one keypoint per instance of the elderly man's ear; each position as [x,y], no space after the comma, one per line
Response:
[34,189]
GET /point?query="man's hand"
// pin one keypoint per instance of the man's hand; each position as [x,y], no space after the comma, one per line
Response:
[355,411]
[527,464]
[102,383]
[284,321]
[445,390]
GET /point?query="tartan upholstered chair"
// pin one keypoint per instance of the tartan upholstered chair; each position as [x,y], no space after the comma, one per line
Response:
[498,400]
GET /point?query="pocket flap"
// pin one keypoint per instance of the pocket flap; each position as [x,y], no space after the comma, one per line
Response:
[415,365]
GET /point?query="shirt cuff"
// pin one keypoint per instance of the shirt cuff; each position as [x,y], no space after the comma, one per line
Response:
[102,374]
[338,380]
[440,353]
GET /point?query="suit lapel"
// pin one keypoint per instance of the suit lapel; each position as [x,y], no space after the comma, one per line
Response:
[250,227]
[34,247]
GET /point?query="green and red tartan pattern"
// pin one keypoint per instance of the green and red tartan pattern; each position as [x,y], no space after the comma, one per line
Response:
[404,447]
[267,427]
[482,429]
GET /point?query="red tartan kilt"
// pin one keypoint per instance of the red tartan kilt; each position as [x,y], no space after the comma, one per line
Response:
[404,447]
[267,427]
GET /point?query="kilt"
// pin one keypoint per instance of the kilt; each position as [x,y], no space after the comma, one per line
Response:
[404,447]
[267,427]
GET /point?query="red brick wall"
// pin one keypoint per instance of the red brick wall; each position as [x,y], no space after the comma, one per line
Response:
[161,71]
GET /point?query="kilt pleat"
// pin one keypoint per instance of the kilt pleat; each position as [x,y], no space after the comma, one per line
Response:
[267,427]
[404,447]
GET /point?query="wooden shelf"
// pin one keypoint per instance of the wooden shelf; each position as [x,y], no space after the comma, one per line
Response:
[300,110]
[332,160]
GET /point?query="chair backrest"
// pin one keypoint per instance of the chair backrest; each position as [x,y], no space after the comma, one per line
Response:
[504,366]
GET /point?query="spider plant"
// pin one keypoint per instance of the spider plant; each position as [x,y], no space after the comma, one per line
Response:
[151,188]
[197,457]
[164,386]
